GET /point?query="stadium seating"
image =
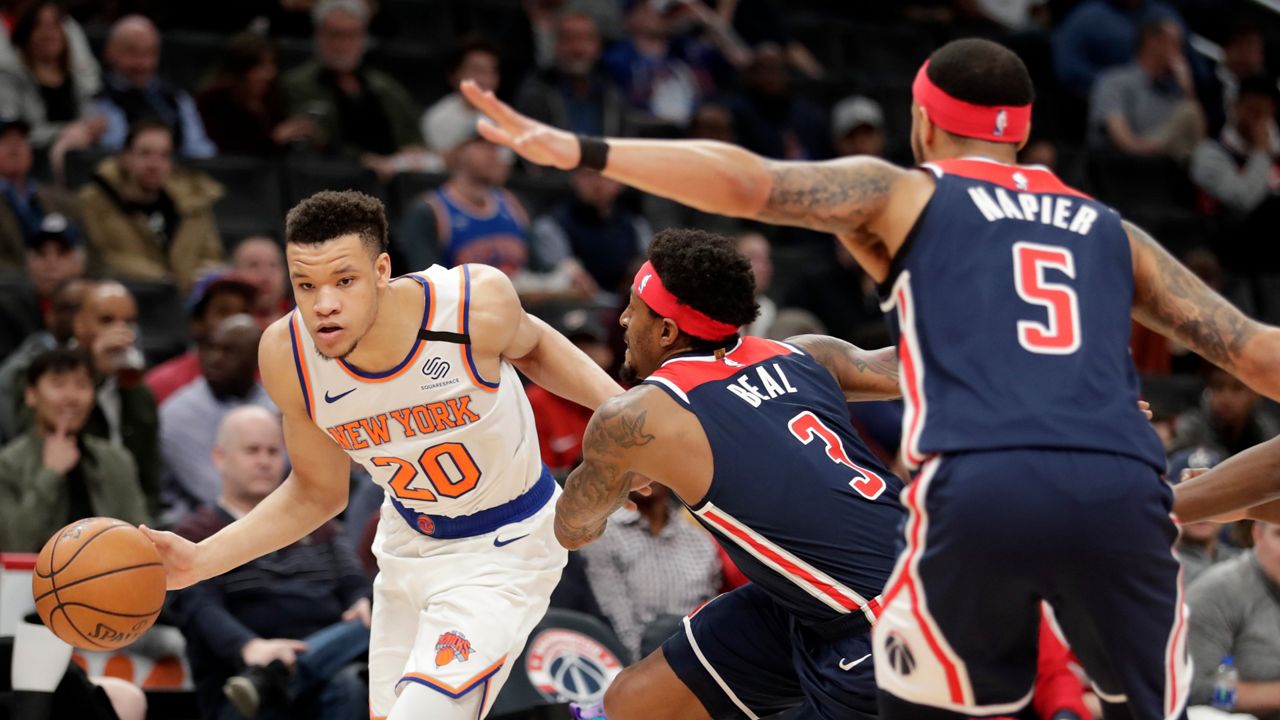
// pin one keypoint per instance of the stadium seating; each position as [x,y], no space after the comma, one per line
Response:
[254,199]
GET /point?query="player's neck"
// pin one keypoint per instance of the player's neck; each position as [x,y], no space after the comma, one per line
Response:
[394,330]
[1005,153]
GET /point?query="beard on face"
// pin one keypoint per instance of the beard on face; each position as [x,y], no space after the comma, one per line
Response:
[627,374]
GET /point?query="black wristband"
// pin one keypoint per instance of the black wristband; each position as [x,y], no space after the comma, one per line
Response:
[593,153]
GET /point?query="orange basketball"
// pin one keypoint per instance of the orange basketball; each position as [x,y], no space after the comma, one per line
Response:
[98,584]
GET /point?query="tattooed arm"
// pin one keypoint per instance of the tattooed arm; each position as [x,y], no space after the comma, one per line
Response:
[595,489]
[1171,300]
[861,374]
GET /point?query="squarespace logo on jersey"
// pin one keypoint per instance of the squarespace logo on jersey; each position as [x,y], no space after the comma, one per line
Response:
[413,420]
[435,369]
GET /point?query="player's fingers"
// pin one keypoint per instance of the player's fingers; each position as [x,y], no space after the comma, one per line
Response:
[493,133]
[156,537]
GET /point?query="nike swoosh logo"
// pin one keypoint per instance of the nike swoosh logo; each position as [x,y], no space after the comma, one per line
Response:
[499,542]
[335,398]
[847,666]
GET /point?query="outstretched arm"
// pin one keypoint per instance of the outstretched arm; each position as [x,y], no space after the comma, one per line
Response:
[861,374]
[600,485]
[1241,481]
[1171,300]
[837,196]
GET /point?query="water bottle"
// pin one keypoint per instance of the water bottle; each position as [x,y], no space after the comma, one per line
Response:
[1225,681]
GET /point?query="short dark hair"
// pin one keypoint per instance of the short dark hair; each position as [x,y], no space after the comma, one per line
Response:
[706,272]
[981,72]
[330,214]
[470,44]
[57,360]
[145,124]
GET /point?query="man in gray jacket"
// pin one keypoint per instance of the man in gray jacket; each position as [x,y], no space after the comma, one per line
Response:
[1235,610]
[55,473]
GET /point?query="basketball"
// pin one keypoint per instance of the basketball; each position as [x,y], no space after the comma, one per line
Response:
[98,584]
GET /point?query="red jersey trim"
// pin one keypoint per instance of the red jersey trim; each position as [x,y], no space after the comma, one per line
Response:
[687,373]
[1033,179]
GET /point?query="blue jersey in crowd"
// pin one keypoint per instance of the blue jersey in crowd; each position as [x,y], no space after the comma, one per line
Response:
[1010,301]
[493,235]
[797,500]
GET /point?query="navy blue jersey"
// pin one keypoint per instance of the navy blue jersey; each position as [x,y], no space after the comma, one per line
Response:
[796,499]
[1010,302]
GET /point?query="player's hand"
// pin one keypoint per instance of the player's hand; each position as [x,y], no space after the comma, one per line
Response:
[360,610]
[534,141]
[1191,474]
[179,556]
[1145,407]
[61,452]
[260,651]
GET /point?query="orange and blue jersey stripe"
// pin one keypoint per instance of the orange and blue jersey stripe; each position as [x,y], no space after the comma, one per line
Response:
[428,311]
[300,364]
[464,325]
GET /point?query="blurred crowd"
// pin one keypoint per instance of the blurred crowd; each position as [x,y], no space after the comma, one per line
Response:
[149,151]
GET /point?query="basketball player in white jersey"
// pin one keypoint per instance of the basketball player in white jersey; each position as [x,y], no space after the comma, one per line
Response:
[415,379]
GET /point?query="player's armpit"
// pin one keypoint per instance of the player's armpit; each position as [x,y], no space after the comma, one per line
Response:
[600,485]
[1171,300]
[861,374]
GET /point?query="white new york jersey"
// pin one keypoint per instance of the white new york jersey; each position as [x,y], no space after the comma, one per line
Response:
[434,434]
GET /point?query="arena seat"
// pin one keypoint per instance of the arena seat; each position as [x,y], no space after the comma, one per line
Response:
[405,188]
[78,166]
[306,176]
[162,319]
[187,58]
[253,202]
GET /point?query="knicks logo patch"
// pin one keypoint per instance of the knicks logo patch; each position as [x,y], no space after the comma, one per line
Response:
[451,646]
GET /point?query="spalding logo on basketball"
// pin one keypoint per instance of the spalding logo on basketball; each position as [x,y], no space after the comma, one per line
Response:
[567,666]
[900,657]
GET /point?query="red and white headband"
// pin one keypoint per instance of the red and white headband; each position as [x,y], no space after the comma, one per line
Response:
[994,123]
[648,286]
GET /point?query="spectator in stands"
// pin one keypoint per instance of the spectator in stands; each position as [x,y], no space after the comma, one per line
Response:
[43,87]
[229,379]
[575,93]
[1098,35]
[132,91]
[259,260]
[1149,106]
[1198,547]
[59,318]
[84,65]
[472,218]
[292,622]
[452,118]
[755,246]
[23,202]
[147,220]
[1244,56]
[360,111]
[760,22]
[1235,610]
[842,297]
[1230,418]
[711,121]
[561,423]
[774,121]
[243,106]
[217,295]
[54,256]
[1240,174]
[57,472]
[651,562]
[857,127]
[649,68]
[592,238]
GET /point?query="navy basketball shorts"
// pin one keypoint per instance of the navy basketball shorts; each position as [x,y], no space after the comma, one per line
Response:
[744,656]
[989,535]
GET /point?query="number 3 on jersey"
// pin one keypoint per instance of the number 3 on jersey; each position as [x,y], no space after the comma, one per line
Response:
[1061,336]
[806,426]
[440,475]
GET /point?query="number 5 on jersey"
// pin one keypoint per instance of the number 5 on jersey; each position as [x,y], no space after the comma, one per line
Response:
[806,426]
[1061,336]
[440,475]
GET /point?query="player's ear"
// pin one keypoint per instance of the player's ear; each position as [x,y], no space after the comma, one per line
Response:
[382,267]
[670,333]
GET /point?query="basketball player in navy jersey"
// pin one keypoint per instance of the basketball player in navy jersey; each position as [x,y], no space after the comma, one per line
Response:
[1011,296]
[754,437]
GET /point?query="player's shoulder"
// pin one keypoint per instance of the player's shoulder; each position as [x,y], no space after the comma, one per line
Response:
[278,355]
[626,419]
[277,340]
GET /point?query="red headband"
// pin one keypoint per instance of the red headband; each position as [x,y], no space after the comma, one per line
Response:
[995,123]
[648,286]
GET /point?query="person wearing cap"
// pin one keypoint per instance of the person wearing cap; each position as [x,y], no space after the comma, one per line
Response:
[54,256]
[132,91]
[23,202]
[1198,546]
[857,127]
[216,296]
[146,219]
[361,111]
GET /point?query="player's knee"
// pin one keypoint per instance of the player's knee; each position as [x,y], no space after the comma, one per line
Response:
[622,701]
